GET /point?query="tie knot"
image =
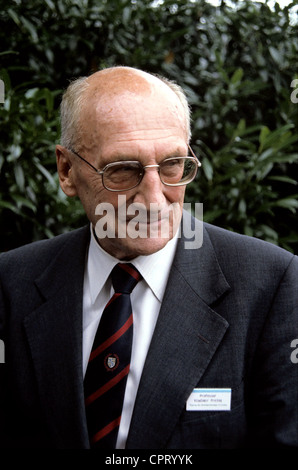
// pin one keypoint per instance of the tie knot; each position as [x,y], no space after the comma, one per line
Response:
[124,278]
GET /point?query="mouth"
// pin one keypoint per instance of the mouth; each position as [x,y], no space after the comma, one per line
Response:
[157,222]
[146,219]
[137,212]
[136,221]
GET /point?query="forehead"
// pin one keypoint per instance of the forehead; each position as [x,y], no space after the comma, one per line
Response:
[124,109]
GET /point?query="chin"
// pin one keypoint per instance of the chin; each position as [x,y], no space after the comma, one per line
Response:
[129,249]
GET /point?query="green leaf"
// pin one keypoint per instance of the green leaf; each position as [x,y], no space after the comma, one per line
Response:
[265,131]
[10,206]
[283,179]
[22,201]
[15,152]
[207,169]
[242,206]
[19,176]
[275,54]
[269,232]
[290,203]
[47,174]
[29,27]
[237,76]
[14,16]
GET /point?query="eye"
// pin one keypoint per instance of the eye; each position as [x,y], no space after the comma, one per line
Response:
[120,172]
[172,165]
[122,169]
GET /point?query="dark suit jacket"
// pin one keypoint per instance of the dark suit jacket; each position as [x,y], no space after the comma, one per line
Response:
[227,320]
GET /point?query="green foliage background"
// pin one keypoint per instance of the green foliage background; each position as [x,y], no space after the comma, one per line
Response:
[237,64]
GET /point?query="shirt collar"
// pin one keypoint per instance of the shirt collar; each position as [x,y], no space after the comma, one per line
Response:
[154,268]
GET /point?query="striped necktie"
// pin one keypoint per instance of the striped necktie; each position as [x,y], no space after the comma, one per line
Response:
[109,361]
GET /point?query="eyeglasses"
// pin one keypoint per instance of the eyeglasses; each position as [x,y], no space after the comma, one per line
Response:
[126,175]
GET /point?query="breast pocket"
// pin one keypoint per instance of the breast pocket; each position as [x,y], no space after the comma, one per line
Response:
[214,418]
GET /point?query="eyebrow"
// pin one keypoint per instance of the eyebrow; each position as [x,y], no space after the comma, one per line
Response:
[118,157]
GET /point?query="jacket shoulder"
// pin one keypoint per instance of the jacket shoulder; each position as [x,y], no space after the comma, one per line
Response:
[34,256]
[246,250]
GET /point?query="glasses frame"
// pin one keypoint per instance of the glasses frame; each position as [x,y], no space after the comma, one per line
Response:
[143,168]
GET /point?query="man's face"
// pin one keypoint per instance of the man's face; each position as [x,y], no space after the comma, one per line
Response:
[146,128]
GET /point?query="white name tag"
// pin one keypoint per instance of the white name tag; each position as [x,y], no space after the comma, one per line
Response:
[209,399]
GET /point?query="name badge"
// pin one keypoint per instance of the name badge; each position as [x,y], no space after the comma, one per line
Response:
[209,399]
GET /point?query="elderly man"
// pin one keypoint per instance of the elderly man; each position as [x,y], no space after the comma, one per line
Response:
[204,360]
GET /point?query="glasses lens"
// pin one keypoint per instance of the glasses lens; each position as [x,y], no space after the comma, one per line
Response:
[120,176]
[178,171]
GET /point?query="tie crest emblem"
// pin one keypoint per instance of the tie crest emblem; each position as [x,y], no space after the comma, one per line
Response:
[111,362]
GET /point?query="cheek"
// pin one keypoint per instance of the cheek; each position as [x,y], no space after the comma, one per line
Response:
[90,192]
[175,194]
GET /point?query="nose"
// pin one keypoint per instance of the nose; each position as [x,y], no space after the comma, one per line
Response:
[151,189]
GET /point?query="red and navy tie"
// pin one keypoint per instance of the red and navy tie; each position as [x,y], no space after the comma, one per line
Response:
[109,361]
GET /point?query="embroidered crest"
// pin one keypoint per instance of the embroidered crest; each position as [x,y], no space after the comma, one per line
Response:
[111,362]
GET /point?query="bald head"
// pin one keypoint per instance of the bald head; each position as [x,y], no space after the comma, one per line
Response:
[96,94]
[117,80]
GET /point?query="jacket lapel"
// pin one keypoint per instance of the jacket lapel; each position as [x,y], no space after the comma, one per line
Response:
[186,336]
[54,332]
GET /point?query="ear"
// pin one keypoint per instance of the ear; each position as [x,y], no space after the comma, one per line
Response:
[65,172]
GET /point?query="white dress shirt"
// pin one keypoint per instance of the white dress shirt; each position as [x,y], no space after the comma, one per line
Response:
[146,300]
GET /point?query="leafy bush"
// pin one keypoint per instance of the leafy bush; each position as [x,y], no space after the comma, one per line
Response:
[32,204]
[236,65]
